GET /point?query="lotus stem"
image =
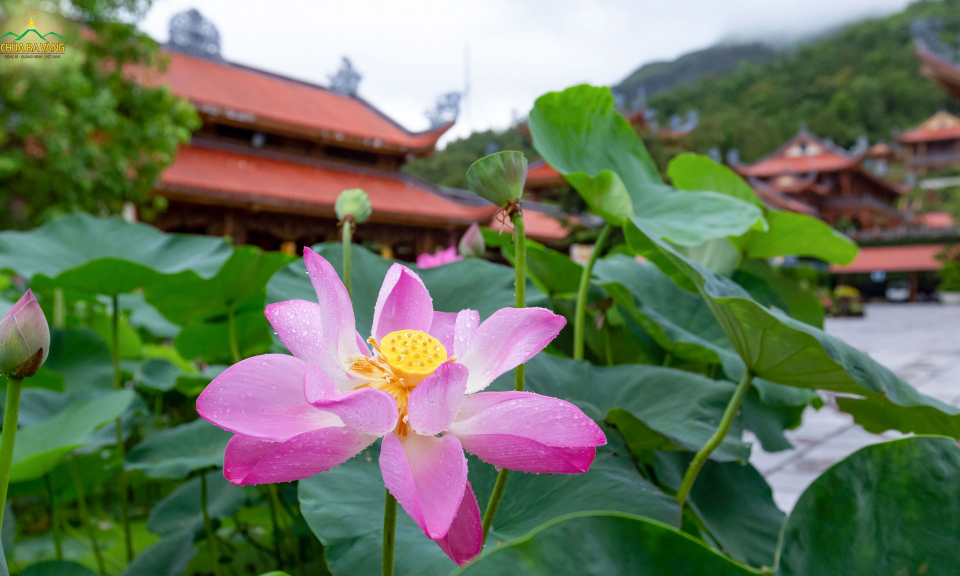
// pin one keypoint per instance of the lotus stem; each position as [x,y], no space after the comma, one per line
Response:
[494,503]
[580,313]
[9,435]
[54,519]
[701,457]
[59,309]
[389,533]
[121,449]
[232,334]
[208,526]
[520,268]
[85,515]
[347,237]
[519,373]
[273,501]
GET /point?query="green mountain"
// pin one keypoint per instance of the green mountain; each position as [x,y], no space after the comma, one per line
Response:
[716,61]
[29,30]
[863,79]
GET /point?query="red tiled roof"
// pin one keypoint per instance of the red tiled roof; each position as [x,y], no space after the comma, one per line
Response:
[917,258]
[542,175]
[940,126]
[827,162]
[537,225]
[937,220]
[205,175]
[927,135]
[261,99]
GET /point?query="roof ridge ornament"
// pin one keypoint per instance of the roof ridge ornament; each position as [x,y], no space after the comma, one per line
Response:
[346,80]
[446,110]
[926,35]
[193,34]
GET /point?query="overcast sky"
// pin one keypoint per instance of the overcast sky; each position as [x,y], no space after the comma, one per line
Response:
[411,51]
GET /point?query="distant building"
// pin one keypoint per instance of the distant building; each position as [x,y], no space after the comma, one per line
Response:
[934,145]
[814,176]
[274,153]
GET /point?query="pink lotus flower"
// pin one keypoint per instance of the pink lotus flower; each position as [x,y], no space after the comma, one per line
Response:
[439,259]
[296,416]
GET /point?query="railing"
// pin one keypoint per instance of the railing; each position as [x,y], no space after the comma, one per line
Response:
[934,159]
[863,201]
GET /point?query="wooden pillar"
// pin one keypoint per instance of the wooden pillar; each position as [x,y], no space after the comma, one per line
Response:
[921,153]
[845,184]
[913,286]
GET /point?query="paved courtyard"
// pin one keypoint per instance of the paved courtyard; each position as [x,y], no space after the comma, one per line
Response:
[920,342]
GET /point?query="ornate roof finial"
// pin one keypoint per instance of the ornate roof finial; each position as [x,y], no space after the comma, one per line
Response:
[445,110]
[926,34]
[193,34]
[804,130]
[347,80]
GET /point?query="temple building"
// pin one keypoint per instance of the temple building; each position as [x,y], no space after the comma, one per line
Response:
[816,177]
[274,153]
[934,145]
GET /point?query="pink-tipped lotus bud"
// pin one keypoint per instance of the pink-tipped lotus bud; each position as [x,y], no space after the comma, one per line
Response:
[472,244]
[24,338]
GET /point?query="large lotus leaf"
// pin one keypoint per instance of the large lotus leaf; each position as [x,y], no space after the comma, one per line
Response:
[143,316]
[94,470]
[581,134]
[551,271]
[170,556]
[107,255]
[344,507]
[42,446]
[210,340]
[695,172]
[131,345]
[602,544]
[770,288]
[770,408]
[780,349]
[793,234]
[180,510]
[679,321]
[789,233]
[240,284]
[57,568]
[470,283]
[888,509]
[157,374]
[83,359]
[178,451]
[683,407]
[45,378]
[734,503]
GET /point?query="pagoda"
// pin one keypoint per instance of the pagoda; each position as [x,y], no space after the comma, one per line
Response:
[273,154]
[816,177]
[933,145]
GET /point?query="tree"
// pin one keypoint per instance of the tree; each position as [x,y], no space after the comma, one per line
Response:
[78,132]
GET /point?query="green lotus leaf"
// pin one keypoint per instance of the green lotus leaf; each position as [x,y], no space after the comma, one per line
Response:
[178,451]
[344,508]
[605,543]
[789,233]
[107,256]
[581,134]
[782,350]
[40,447]
[889,508]
[180,510]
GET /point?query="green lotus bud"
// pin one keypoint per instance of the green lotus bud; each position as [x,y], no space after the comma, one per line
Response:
[24,338]
[499,177]
[353,202]
[472,244]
